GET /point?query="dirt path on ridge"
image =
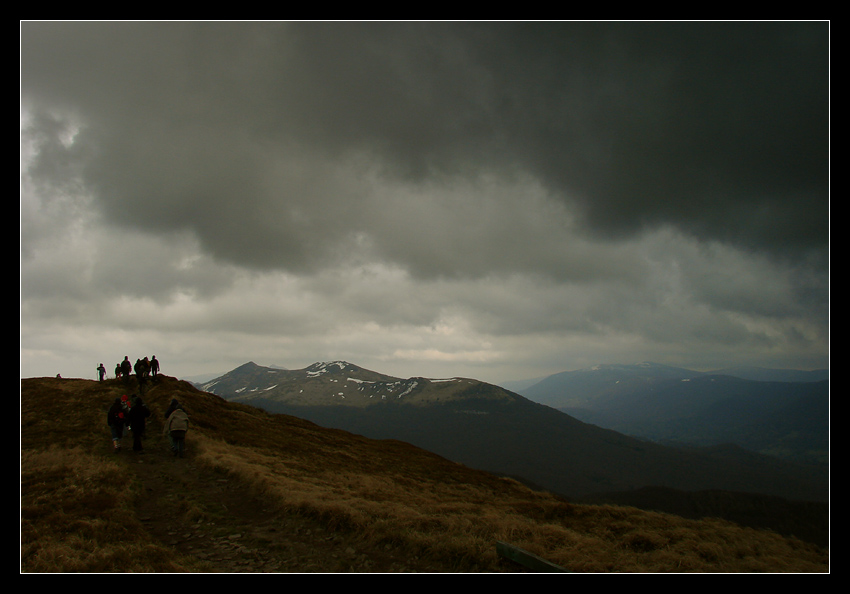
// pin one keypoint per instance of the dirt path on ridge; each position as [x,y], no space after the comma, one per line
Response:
[204,514]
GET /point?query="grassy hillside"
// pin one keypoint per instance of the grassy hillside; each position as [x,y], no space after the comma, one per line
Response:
[262,492]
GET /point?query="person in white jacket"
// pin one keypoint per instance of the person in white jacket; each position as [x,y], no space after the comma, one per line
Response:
[176,426]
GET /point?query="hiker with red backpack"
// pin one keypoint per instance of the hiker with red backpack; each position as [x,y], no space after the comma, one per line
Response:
[116,418]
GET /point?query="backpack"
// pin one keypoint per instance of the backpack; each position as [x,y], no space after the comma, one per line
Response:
[178,421]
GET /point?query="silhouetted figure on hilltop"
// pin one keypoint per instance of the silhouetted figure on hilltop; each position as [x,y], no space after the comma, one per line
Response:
[126,369]
[154,366]
[101,372]
[141,373]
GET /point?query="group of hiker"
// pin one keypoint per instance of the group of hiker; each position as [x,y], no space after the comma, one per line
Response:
[132,413]
[144,368]
[127,414]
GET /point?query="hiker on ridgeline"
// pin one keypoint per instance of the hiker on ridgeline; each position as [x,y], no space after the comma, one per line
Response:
[139,368]
[126,368]
[116,418]
[136,419]
[118,371]
[101,372]
[154,366]
[176,426]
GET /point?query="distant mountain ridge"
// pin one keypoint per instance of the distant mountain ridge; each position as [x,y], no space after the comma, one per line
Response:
[336,383]
[762,374]
[785,418]
[491,428]
[200,379]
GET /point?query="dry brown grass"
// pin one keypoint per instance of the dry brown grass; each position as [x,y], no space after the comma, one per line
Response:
[385,492]
[77,516]
[459,523]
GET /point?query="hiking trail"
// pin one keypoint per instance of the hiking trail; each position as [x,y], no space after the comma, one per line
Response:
[205,514]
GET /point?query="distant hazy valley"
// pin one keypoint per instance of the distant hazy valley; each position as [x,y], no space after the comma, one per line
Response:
[776,412]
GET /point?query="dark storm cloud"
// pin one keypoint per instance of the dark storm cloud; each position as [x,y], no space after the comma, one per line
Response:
[267,140]
[721,128]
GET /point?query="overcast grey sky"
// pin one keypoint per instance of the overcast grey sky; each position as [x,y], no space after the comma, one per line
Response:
[486,199]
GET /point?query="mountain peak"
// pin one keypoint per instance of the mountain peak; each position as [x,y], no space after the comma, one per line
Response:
[246,366]
[321,367]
